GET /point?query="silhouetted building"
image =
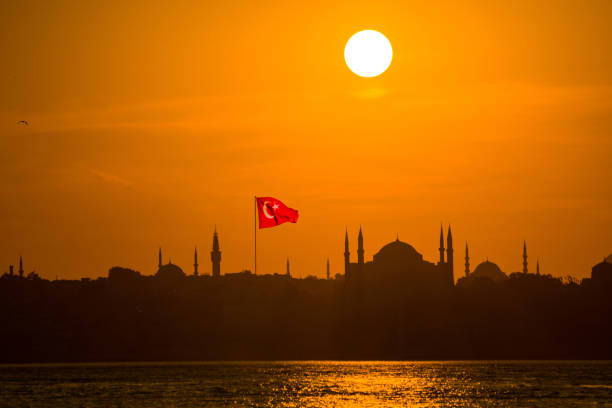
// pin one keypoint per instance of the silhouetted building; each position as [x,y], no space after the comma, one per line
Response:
[347,254]
[360,250]
[488,270]
[288,273]
[215,256]
[602,272]
[525,270]
[395,262]
[10,270]
[195,262]
[20,267]
[119,274]
[327,268]
[441,249]
[538,267]
[467,261]
[169,270]
[449,254]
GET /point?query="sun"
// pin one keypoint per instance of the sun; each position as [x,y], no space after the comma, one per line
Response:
[368,53]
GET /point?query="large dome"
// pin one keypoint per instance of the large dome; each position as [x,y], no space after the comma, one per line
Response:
[170,270]
[489,270]
[397,251]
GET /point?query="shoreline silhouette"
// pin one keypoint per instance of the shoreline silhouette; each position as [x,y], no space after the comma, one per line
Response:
[396,306]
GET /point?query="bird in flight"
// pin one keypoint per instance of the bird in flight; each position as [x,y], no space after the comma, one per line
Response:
[25,122]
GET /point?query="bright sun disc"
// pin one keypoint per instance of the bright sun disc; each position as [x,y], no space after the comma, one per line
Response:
[368,53]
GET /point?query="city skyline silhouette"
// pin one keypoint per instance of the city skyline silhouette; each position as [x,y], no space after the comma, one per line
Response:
[394,305]
[208,269]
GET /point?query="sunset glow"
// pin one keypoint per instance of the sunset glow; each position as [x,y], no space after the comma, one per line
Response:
[149,124]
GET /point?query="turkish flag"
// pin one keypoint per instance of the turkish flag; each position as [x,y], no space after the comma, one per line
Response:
[272,212]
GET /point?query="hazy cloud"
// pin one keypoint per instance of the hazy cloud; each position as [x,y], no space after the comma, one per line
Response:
[112,178]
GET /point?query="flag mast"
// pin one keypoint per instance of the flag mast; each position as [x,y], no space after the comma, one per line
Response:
[271,213]
[255,236]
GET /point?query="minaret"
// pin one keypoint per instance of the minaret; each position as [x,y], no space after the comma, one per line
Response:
[449,253]
[327,268]
[467,261]
[159,256]
[538,267]
[195,262]
[525,257]
[441,249]
[347,254]
[288,270]
[215,256]
[11,270]
[20,267]
[360,250]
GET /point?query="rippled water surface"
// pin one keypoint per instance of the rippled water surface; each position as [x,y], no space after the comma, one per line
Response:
[314,384]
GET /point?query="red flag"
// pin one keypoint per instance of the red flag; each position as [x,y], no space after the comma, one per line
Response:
[272,212]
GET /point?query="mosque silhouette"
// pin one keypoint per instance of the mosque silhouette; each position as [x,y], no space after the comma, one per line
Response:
[398,262]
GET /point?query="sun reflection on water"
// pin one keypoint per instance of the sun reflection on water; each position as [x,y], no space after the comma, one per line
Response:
[310,384]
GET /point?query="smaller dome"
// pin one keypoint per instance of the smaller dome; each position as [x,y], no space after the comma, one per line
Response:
[170,270]
[489,270]
[605,264]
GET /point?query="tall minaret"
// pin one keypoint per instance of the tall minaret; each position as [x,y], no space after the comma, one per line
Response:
[159,256]
[215,256]
[441,249]
[327,268]
[525,257]
[360,251]
[467,261]
[347,254]
[20,266]
[449,253]
[538,267]
[288,271]
[195,262]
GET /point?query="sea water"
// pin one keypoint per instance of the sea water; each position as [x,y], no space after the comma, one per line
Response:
[310,384]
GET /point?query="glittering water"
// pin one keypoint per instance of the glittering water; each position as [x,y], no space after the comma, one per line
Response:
[314,384]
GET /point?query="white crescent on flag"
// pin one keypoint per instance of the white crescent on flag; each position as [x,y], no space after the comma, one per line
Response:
[264,208]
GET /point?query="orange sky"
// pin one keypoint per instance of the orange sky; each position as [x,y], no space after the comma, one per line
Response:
[150,122]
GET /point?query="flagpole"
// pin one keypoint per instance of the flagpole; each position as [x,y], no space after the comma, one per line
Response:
[255,235]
